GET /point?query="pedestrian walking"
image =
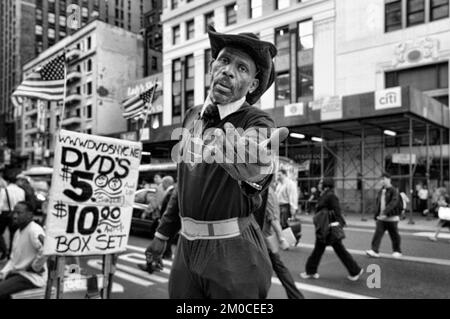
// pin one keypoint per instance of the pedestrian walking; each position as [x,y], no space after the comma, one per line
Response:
[443,201]
[222,252]
[387,215]
[270,227]
[287,196]
[423,199]
[329,210]
[10,195]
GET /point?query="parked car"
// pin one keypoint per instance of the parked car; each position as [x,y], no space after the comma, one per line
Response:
[145,207]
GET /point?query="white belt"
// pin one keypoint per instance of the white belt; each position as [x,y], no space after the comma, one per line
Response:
[193,229]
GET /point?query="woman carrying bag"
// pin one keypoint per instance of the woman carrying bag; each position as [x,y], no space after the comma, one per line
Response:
[329,222]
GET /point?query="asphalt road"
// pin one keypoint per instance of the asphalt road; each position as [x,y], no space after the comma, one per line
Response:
[423,272]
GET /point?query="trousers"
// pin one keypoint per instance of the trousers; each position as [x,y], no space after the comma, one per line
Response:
[13,284]
[285,277]
[392,228]
[231,268]
[313,261]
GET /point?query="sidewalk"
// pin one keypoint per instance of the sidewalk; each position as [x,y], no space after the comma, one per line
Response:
[421,224]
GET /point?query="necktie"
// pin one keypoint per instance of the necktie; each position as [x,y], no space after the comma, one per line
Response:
[211,115]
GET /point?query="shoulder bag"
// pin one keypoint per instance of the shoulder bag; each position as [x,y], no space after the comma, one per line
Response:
[336,232]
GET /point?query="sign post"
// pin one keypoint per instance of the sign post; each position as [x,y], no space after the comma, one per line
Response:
[90,207]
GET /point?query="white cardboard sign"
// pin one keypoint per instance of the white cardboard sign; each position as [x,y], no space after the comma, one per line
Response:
[93,185]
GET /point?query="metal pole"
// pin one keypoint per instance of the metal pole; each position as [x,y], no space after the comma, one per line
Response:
[427,173]
[363,204]
[383,143]
[343,166]
[411,221]
[441,158]
[321,156]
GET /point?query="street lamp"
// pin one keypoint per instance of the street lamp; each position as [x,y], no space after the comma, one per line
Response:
[317,139]
[297,135]
[390,133]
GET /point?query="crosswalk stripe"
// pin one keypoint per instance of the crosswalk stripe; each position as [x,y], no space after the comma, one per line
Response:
[325,291]
[144,279]
[141,273]
[431,234]
[96,263]
[434,261]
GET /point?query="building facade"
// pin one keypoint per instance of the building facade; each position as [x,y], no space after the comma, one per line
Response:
[153,38]
[335,58]
[29,27]
[101,58]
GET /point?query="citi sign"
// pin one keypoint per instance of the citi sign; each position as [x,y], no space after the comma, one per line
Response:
[390,98]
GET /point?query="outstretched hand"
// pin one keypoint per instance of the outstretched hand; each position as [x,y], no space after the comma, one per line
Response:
[242,155]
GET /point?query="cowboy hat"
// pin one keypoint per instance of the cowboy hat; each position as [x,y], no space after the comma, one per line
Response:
[261,52]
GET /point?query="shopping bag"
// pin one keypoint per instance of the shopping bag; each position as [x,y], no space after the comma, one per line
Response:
[444,213]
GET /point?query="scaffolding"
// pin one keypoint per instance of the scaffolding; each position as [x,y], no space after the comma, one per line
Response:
[411,144]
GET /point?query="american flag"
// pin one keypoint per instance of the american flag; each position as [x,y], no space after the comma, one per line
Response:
[46,83]
[138,105]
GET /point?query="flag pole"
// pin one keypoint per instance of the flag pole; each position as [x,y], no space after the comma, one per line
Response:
[61,118]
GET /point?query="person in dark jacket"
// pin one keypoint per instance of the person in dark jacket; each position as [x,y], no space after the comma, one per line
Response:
[387,216]
[328,200]
[221,253]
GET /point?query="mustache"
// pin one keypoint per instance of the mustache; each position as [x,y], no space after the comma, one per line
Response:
[224,80]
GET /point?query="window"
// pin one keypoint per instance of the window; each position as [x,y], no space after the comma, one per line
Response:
[282,89]
[89,88]
[89,43]
[154,63]
[89,111]
[176,109]
[281,4]
[84,12]
[176,35]
[430,78]
[62,21]
[439,9]
[190,67]
[305,35]
[51,33]
[190,29]
[89,65]
[209,20]
[282,40]
[51,18]
[415,12]
[255,8]
[189,99]
[38,29]
[39,14]
[393,16]
[176,70]
[230,12]
[305,81]
[174,4]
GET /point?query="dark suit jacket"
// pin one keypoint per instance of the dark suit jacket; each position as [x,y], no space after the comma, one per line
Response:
[392,202]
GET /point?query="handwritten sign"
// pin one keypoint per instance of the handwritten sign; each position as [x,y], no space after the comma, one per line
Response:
[93,186]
